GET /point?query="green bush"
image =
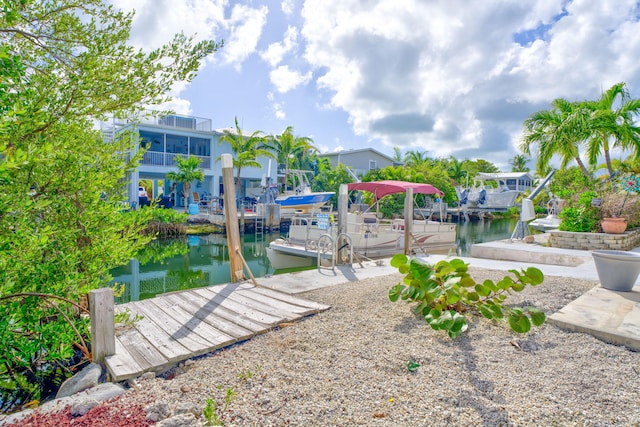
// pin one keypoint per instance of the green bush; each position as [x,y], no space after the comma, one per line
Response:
[446,293]
[582,217]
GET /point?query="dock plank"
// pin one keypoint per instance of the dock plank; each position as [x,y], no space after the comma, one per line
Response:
[195,326]
[122,365]
[222,298]
[228,321]
[162,341]
[282,305]
[177,326]
[192,343]
[273,307]
[146,355]
[311,305]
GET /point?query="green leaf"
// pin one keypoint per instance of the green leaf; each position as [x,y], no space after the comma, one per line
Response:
[473,296]
[394,292]
[399,259]
[537,316]
[482,290]
[519,322]
[535,275]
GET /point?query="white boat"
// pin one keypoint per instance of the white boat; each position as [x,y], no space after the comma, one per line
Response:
[301,198]
[494,190]
[365,235]
[548,223]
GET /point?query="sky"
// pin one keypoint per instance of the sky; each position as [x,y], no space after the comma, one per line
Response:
[446,77]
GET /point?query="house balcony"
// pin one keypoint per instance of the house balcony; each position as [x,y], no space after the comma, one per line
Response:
[173,121]
[154,158]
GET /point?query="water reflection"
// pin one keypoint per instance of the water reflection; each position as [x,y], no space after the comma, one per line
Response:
[198,261]
[186,263]
[470,232]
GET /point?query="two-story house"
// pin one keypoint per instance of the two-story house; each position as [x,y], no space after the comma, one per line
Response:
[167,137]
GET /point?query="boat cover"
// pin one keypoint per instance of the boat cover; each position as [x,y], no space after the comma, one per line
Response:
[384,188]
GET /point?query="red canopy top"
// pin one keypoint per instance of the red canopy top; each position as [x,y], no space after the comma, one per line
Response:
[384,188]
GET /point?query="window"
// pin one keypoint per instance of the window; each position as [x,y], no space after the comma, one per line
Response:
[154,141]
[177,144]
[373,165]
[200,146]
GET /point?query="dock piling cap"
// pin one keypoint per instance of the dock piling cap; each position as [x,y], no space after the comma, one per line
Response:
[227,161]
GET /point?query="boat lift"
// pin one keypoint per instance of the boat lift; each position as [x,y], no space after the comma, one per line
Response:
[527,212]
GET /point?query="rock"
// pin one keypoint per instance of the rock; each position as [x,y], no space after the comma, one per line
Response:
[529,239]
[188,408]
[148,376]
[182,420]
[83,406]
[158,411]
[86,378]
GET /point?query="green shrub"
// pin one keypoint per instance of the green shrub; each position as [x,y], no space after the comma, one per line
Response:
[446,293]
[582,217]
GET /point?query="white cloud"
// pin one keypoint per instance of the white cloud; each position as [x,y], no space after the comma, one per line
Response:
[245,28]
[285,79]
[287,7]
[276,51]
[448,76]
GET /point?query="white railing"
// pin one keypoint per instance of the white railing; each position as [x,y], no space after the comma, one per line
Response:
[154,158]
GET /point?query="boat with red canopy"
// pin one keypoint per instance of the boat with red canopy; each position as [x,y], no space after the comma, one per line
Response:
[363,233]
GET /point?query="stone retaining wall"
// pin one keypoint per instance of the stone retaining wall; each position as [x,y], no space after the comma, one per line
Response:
[591,241]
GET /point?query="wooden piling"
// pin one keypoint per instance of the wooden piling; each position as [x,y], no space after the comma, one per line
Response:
[231,218]
[103,335]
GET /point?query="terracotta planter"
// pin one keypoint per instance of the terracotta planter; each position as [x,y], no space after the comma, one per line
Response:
[617,270]
[614,225]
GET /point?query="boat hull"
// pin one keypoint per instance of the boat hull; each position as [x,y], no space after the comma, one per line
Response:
[304,201]
[369,238]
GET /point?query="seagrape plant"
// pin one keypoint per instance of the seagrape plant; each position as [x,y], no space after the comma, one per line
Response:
[446,294]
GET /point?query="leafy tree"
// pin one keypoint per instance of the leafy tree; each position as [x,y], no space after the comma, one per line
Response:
[519,163]
[613,126]
[417,157]
[329,179]
[291,150]
[65,64]
[246,149]
[561,130]
[188,171]
[474,167]
[397,155]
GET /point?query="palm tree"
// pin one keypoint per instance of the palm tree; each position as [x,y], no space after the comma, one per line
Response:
[188,171]
[519,163]
[291,150]
[613,127]
[560,130]
[397,154]
[246,150]
[416,158]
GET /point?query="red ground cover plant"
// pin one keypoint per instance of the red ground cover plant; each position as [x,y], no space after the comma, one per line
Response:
[107,414]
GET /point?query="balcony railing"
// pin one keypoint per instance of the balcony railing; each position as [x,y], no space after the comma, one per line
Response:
[154,158]
[177,121]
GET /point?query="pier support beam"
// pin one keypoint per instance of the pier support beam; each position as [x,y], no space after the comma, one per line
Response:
[103,334]
[231,219]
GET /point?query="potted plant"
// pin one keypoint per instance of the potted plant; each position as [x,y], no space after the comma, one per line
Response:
[614,216]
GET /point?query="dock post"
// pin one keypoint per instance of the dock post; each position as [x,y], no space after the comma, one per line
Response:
[408,220]
[103,330]
[343,199]
[231,219]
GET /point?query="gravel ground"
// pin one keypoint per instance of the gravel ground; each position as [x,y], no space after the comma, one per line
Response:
[348,366]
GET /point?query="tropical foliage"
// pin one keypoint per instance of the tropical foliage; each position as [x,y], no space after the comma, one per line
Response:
[188,171]
[246,149]
[65,64]
[590,129]
[445,294]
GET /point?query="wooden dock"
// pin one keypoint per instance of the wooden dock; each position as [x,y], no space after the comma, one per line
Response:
[175,327]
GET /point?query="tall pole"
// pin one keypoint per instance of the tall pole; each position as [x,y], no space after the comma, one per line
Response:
[408,220]
[231,219]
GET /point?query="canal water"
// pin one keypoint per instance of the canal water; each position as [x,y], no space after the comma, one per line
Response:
[197,261]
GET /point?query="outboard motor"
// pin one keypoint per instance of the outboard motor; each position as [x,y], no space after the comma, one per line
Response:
[482,197]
